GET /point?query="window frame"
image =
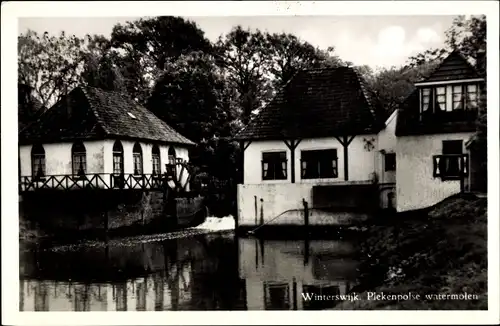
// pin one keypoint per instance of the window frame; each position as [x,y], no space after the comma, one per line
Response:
[422,96]
[38,161]
[79,153]
[387,166]
[118,153]
[451,155]
[442,107]
[467,98]
[280,159]
[156,160]
[137,160]
[304,163]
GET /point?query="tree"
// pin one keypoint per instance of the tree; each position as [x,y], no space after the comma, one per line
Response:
[467,35]
[50,65]
[193,97]
[392,85]
[289,54]
[243,54]
[160,38]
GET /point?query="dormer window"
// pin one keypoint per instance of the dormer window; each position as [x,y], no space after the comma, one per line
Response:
[441,98]
[458,100]
[426,99]
[472,95]
[449,100]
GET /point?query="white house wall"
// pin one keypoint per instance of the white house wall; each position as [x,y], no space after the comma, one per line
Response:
[416,187]
[387,144]
[362,163]
[58,160]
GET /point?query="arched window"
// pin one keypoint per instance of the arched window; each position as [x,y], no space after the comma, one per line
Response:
[117,158]
[38,161]
[171,155]
[137,152]
[156,160]
[79,157]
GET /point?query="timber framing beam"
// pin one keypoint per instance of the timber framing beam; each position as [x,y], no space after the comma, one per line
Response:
[345,141]
[292,145]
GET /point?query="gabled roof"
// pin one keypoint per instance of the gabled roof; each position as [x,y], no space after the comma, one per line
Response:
[318,103]
[454,67]
[92,113]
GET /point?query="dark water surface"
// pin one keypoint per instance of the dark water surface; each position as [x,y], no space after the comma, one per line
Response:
[206,272]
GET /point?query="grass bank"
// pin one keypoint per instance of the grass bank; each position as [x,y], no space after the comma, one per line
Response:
[441,250]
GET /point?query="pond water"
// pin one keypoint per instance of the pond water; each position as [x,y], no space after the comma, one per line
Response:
[204,272]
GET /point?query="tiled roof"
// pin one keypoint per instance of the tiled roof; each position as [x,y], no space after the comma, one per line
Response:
[455,66]
[318,103]
[92,113]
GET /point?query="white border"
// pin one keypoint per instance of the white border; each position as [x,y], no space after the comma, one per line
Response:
[10,246]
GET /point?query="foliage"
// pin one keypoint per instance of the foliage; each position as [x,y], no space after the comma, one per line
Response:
[289,54]
[193,97]
[242,54]
[50,65]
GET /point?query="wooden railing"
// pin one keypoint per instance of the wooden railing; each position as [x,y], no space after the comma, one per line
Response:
[94,181]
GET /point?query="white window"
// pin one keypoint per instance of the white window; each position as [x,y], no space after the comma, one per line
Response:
[472,95]
[441,98]
[426,98]
[458,97]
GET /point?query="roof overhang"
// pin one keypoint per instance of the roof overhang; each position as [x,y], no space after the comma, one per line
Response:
[447,82]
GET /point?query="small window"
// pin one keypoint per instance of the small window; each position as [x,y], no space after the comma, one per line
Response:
[458,97]
[274,166]
[318,164]
[79,157]
[452,147]
[137,154]
[390,162]
[156,160]
[276,296]
[118,158]
[38,161]
[441,98]
[450,164]
[171,155]
[472,95]
[426,98]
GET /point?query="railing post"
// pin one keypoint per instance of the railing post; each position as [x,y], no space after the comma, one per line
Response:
[306,212]
[256,213]
[261,211]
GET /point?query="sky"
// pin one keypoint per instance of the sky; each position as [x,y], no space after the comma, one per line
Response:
[377,41]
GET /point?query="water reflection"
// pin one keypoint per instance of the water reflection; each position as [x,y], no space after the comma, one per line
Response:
[211,272]
[278,273]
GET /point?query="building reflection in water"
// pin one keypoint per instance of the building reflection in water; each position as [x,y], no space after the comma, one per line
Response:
[174,275]
[201,273]
[277,273]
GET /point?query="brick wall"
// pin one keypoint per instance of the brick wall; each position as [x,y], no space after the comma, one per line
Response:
[82,210]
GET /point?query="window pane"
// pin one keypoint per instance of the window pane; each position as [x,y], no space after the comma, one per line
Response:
[452,147]
[440,90]
[471,88]
[319,163]
[426,91]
